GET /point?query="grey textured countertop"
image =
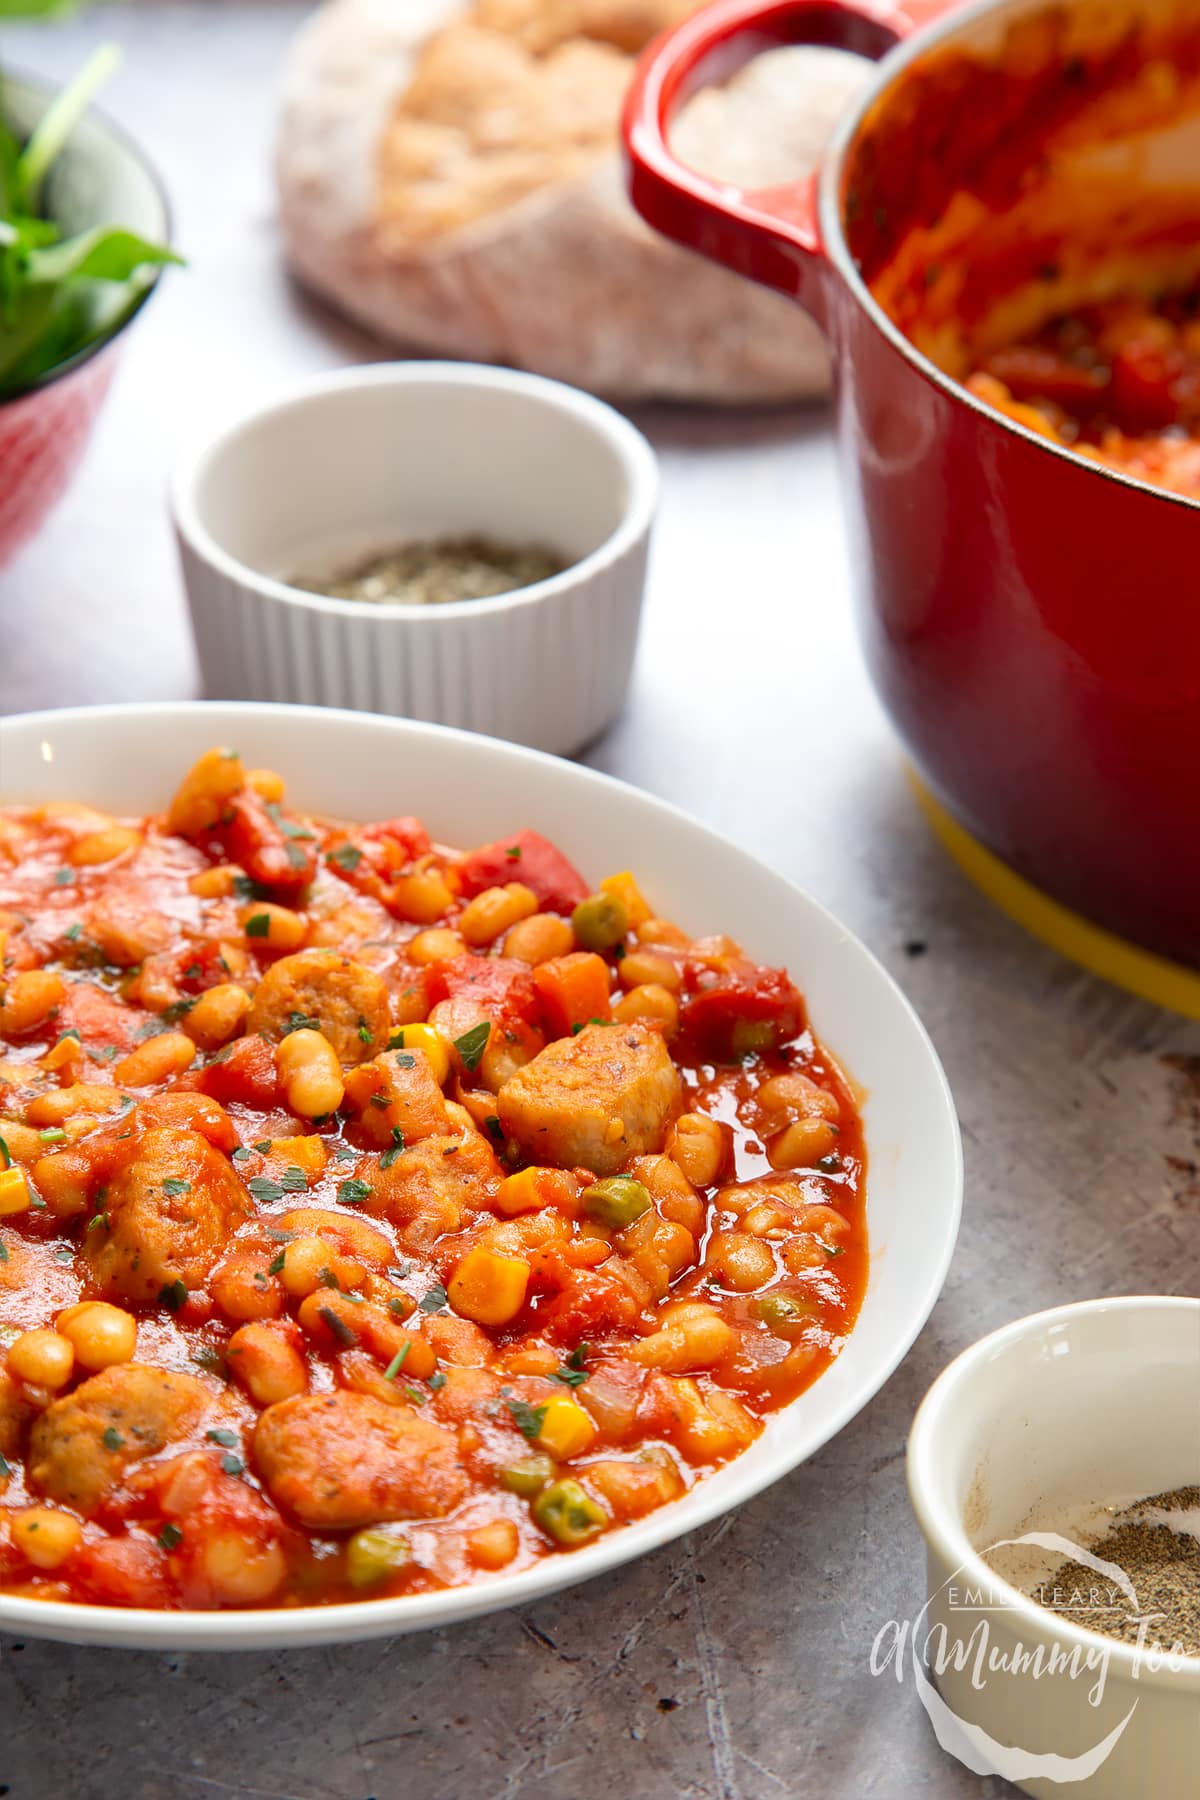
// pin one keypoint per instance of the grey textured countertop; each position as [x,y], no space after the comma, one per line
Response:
[734,1665]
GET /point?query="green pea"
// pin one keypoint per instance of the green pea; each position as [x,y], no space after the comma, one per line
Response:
[599,922]
[529,1476]
[375,1553]
[783,1312]
[752,1036]
[568,1514]
[616,1202]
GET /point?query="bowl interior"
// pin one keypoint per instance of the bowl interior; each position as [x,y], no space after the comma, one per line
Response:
[100,178]
[1068,1413]
[388,454]
[468,789]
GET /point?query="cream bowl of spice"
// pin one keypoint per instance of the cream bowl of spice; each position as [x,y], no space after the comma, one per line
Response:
[440,541]
[1054,1469]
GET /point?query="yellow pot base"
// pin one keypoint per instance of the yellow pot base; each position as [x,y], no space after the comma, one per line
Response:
[1140,972]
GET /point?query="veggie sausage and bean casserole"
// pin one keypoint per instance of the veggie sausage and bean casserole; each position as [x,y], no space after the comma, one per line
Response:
[375,1216]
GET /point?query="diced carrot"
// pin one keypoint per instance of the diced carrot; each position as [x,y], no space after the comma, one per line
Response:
[572,989]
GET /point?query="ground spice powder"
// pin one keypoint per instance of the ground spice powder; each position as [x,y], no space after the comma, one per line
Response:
[1156,1542]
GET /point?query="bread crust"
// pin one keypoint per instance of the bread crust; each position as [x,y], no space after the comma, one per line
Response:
[566,281]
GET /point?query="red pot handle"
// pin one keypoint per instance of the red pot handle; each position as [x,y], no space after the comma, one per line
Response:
[771,235]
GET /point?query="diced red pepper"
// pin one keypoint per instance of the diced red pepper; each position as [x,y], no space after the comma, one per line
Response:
[502,986]
[406,838]
[1143,381]
[733,1013]
[529,858]
[255,836]
[121,1571]
[247,1074]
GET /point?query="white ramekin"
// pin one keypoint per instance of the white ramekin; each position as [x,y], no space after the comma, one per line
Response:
[1034,1430]
[354,462]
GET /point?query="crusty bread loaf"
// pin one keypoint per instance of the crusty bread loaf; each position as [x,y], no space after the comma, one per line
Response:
[449,176]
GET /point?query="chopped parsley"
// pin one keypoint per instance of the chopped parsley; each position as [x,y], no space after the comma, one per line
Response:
[338,1326]
[513,853]
[572,1372]
[263,1145]
[263,1188]
[175,1184]
[834,1249]
[276,1267]
[288,827]
[72,932]
[434,1300]
[397,1363]
[437,1380]
[364,1030]
[493,1127]
[226,1439]
[400,1271]
[346,857]
[112,1439]
[527,1419]
[246,889]
[345,1153]
[3,1251]
[295,854]
[258,925]
[173,1295]
[472,1044]
[63,877]
[6,1154]
[396,1149]
[64,1035]
[242,1153]
[233,1465]
[170,1537]
[295,1181]
[298,1021]
[352,1190]
[64,1255]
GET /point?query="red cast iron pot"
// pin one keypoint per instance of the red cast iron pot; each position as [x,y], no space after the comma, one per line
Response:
[101,178]
[1032,621]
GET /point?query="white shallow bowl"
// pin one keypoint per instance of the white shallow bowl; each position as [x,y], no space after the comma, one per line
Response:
[355,462]
[469,790]
[1034,1430]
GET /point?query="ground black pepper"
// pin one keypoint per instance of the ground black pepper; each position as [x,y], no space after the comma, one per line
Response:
[430,574]
[1156,1542]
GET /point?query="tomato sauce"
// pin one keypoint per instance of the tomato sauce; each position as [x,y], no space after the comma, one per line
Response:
[375,1218]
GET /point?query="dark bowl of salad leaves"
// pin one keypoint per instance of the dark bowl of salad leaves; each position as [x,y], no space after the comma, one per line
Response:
[83,230]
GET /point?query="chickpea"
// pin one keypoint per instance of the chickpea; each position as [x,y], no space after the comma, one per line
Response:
[242,1570]
[691,1336]
[218,1015]
[244,1290]
[310,1073]
[29,999]
[661,931]
[307,1259]
[657,1005]
[490,914]
[267,785]
[100,1335]
[158,1059]
[204,791]
[796,1094]
[539,938]
[697,1144]
[265,1359]
[45,1537]
[421,897]
[276,927]
[216,883]
[642,966]
[103,846]
[440,945]
[802,1144]
[65,1103]
[24,1144]
[742,1260]
[41,1358]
